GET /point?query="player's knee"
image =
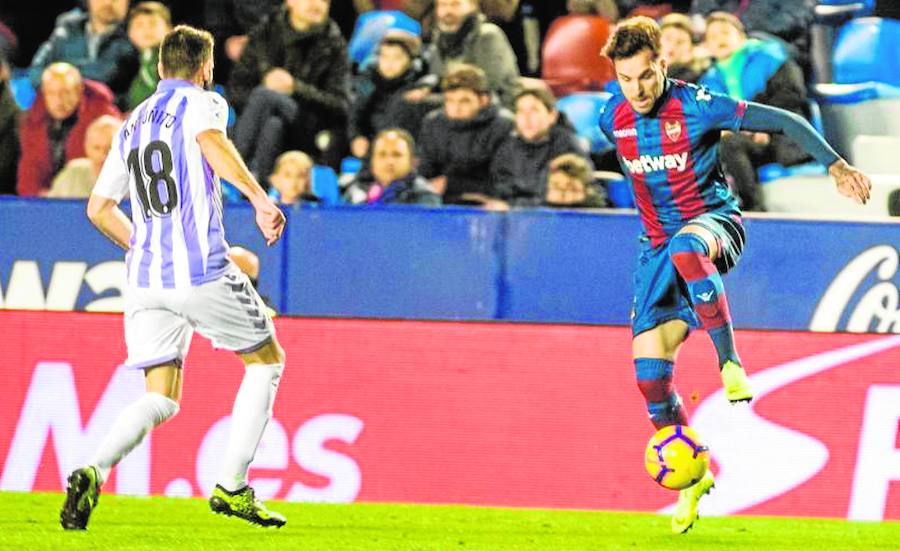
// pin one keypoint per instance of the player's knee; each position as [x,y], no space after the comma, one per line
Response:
[689,243]
[279,353]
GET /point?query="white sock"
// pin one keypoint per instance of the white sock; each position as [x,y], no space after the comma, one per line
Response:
[251,412]
[129,430]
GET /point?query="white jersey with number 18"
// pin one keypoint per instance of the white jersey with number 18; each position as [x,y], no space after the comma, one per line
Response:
[176,198]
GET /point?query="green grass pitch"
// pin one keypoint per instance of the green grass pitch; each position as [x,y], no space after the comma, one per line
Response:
[30,521]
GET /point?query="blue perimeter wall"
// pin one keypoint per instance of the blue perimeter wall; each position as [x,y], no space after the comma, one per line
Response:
[535,265]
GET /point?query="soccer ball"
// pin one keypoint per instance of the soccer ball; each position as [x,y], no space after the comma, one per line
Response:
[675,457]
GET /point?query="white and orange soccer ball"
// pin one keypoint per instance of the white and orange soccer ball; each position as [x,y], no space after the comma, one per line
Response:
[676,458]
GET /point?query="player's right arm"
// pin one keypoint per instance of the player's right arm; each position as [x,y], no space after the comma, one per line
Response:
[226,161]
[103,205]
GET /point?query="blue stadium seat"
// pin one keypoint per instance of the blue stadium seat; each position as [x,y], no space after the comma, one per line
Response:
[23,92]
[583,111]
[350,166]
[370,27]
[851,110]
[219,89]
[866,50]
[618,190]
[815,116]
[831,11]
[325,185]
[775,171]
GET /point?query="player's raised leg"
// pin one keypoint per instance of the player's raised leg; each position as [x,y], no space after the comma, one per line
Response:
[693,251]
[249,417]
[654,353]
[159,403]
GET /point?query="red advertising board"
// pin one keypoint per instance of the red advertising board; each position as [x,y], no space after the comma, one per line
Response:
[477,413]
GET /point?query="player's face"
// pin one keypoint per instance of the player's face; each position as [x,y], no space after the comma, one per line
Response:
[391,158]
[463,104]
[676,45]
[310,12]
[147,31]
[392,61]
[642,79]
[533,118]
[451,13]
[291,180]
[62,94]
[723,39]
[109,12]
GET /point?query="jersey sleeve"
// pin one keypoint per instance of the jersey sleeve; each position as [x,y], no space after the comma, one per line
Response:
[113,180]
[606,121]
[717,110]
[208,111]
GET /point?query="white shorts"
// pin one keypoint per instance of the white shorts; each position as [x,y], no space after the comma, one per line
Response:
[159,323]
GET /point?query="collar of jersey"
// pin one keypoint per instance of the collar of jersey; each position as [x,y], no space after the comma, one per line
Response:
[170,83]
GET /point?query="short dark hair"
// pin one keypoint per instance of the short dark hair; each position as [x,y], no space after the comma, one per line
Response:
[407,41]
[465,77]
[184,50]
[725,17]
[632,36]
[538,89]
[151,8]
[678,21]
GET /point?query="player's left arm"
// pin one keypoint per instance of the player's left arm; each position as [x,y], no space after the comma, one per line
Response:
[850,181]
[110,220]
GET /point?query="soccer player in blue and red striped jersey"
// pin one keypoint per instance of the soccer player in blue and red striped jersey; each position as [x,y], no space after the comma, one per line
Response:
[667,134]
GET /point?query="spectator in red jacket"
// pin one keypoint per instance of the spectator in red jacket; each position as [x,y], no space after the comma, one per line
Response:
[52,131]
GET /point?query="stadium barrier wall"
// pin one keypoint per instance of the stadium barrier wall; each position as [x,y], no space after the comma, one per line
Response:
[464,264]
[473,413]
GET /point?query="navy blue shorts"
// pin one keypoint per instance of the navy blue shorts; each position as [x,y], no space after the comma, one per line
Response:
[660,295]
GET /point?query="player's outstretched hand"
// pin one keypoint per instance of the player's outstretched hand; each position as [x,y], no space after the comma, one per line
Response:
[270,220]
[851,182]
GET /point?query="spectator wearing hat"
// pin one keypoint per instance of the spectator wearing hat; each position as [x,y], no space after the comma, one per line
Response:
[380,99]
[458,142]
[520,167]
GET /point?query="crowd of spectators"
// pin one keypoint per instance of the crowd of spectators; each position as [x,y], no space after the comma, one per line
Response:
[454,115]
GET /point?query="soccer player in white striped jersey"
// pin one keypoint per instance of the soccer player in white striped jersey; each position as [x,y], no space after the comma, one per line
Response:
[168,156]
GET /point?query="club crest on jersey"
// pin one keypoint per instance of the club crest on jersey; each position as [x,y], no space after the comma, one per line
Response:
[673,130]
